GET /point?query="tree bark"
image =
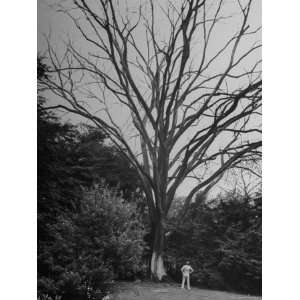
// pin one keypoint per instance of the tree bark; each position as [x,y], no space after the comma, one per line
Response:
[157,261]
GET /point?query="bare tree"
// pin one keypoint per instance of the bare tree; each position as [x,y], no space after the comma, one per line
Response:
[192,111]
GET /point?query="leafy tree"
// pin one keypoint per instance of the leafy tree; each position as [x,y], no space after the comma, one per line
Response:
[99,160]
[71,161]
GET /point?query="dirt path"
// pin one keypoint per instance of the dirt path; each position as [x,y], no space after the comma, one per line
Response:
[150,291]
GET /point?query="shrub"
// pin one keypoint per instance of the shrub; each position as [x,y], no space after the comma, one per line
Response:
[222,240]
[102,242]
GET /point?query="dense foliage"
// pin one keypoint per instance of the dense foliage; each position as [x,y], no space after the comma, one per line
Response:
[103,241]
[222,240]
[89,228]
[78,243]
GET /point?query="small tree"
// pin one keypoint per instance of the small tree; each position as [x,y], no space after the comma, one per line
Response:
[194,112]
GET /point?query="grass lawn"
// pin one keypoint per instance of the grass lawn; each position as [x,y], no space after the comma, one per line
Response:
[163,291]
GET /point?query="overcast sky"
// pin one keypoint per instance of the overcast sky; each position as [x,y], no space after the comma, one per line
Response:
[61,28]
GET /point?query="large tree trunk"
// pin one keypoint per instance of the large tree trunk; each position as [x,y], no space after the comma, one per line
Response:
[157,263]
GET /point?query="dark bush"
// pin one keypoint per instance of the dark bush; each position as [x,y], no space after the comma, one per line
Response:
[90,248]
[222,240]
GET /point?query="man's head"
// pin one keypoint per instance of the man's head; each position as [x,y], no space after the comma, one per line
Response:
[187,262]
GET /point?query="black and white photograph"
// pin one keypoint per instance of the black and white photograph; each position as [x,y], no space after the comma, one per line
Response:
[149,153]
[137,159]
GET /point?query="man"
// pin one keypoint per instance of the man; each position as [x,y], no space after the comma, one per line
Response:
[186,271]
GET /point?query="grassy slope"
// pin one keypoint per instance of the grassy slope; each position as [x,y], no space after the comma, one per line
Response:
[154,291]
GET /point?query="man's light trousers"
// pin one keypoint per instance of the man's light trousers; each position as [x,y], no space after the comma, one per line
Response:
[187,279]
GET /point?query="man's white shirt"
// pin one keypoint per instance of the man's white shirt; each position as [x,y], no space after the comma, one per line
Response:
[186,270]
